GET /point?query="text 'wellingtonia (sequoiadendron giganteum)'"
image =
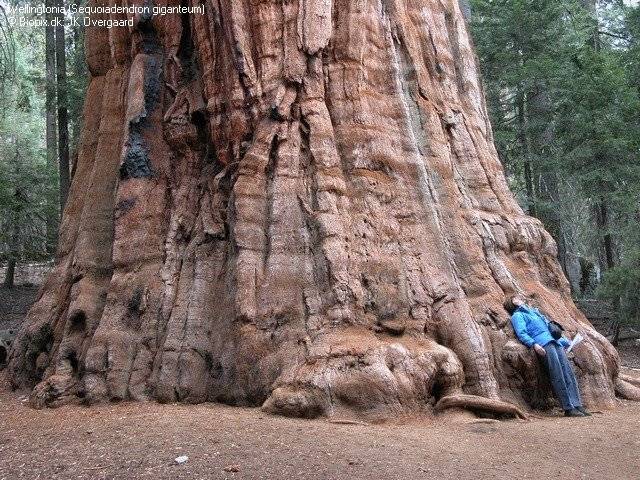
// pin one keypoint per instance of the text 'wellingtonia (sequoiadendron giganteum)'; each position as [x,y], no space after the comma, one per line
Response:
[91,16]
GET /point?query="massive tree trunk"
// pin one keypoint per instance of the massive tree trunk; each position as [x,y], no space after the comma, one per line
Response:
[296,204]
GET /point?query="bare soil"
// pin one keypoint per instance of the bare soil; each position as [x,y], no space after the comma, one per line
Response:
[142,440]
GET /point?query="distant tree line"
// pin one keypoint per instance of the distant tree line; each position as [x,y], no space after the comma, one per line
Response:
[562,80]
[42,84]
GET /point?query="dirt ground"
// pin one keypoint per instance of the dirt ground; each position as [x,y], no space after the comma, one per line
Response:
[142,440]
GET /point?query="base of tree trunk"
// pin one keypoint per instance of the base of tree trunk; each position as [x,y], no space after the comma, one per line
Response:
[296,205]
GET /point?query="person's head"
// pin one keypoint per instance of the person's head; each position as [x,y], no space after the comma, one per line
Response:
[512,303]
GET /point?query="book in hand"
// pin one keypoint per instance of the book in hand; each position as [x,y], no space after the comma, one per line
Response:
[576,340]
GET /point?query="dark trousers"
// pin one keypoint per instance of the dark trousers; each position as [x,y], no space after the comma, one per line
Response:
[563,380]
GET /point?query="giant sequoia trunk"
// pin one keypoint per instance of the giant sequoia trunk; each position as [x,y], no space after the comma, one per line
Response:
[297,204]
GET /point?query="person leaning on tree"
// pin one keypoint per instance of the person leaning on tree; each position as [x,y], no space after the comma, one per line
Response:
[532,329]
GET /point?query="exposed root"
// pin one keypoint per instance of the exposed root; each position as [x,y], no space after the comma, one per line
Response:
[347,422]
[474,402]
[627,390]
[57,390]
[296,402]
[635,381]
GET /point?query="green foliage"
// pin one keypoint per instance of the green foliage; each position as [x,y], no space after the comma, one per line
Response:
[77,78]
[632,56]
[7,53]
[621,285]
[563,91]
[28,187]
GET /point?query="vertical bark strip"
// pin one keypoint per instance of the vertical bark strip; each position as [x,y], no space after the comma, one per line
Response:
[295,204]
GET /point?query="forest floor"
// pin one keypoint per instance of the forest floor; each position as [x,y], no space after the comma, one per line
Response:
[142,440]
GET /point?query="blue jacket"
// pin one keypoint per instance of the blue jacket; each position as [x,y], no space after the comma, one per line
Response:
[531,327]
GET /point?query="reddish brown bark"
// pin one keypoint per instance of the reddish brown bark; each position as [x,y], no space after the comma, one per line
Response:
[295,204]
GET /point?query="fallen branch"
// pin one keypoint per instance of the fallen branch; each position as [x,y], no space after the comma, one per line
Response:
[474,402]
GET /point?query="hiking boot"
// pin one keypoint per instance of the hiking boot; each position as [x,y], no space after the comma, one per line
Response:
[573,412]
[583,411]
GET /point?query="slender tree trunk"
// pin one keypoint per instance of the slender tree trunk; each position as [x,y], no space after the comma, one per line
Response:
[607,252]
[63,116]
[528,179]
[607,249]
[14,225]
[9,275]
[594,38]
[523,137]
[615,341]
[552,219]
[606,241]
[78,70]
[539,112]
[51,134]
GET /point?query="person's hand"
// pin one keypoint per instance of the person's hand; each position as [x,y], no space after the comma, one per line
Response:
[539,350]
